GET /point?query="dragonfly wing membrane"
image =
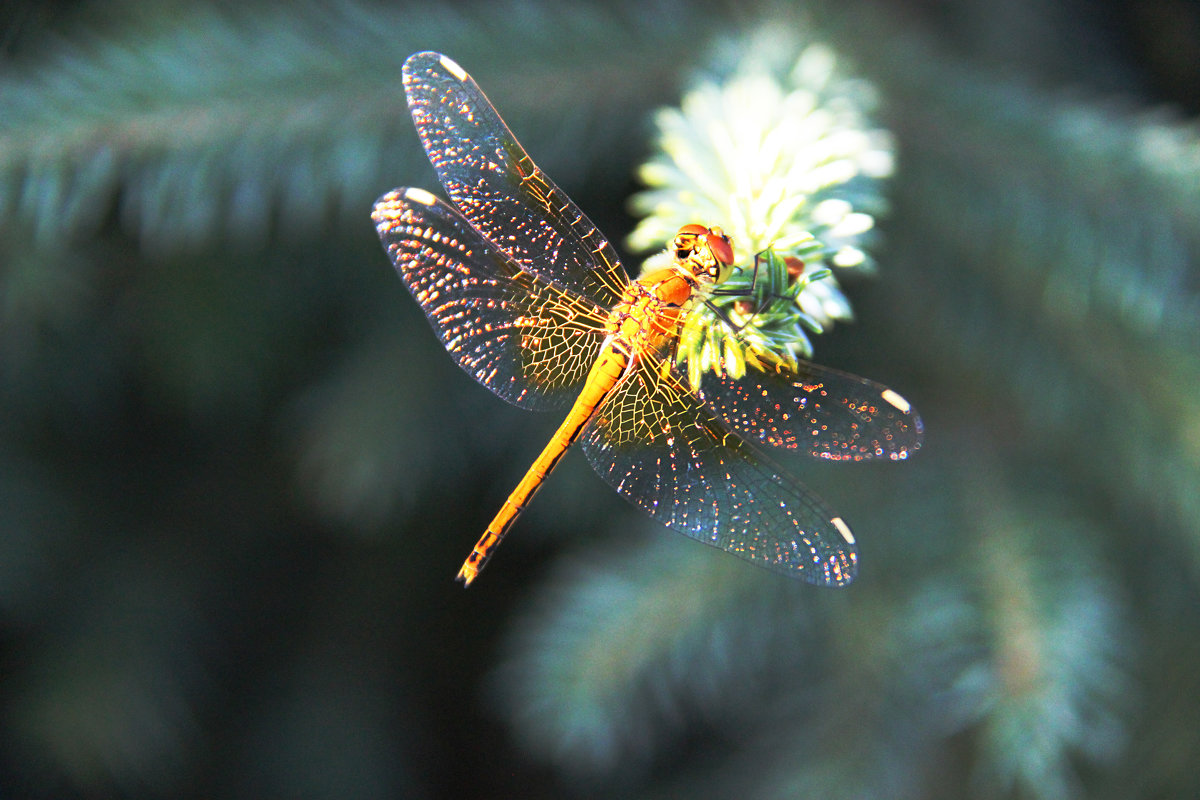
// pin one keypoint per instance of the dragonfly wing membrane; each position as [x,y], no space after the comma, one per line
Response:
[816,410]
[528,340]
[495,184]
[665,452]
[530,299]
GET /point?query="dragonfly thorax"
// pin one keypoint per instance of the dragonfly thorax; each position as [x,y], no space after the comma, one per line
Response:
[706,253]
[682,447]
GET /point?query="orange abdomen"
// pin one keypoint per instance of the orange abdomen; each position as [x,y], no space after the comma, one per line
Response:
[648,314]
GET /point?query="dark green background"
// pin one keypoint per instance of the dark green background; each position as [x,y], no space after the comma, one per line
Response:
[238,473]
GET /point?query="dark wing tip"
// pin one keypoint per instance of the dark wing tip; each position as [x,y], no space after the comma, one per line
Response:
[419,59]
[391,205]
[429,62]
[384,208]
[914,435]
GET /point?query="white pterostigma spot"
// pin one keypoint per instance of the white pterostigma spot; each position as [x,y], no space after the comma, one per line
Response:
[420,196]
[896,400]
[843,529]
[453,68]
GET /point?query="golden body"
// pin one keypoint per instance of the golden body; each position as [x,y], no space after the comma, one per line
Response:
[647,317]
[531,300]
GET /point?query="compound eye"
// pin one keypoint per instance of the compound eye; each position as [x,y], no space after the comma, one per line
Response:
[720,245]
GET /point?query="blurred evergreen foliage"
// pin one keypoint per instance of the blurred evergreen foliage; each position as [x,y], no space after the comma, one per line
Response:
[237,473]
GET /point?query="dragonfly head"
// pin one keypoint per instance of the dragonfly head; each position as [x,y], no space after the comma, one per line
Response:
[707,253]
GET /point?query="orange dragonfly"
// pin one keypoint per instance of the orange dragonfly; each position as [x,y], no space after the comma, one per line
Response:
[531,300]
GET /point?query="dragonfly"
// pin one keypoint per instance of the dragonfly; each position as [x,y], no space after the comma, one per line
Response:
[531,300]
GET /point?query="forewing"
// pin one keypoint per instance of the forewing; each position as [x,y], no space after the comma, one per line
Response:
[666,453]
[816,410]
[529,341]
[499,189]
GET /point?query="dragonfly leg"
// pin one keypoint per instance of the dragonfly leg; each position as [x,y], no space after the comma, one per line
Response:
[721,315]
[760,304]
[718,292]
[753,279]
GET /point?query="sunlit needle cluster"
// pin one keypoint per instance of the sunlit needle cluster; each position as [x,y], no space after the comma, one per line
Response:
[790,168]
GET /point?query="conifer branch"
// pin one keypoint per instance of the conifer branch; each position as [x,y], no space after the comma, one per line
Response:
[229,121]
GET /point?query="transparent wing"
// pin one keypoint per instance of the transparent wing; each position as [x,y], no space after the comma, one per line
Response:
[529,341]
[816,410]
[499,189]
[666,453]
